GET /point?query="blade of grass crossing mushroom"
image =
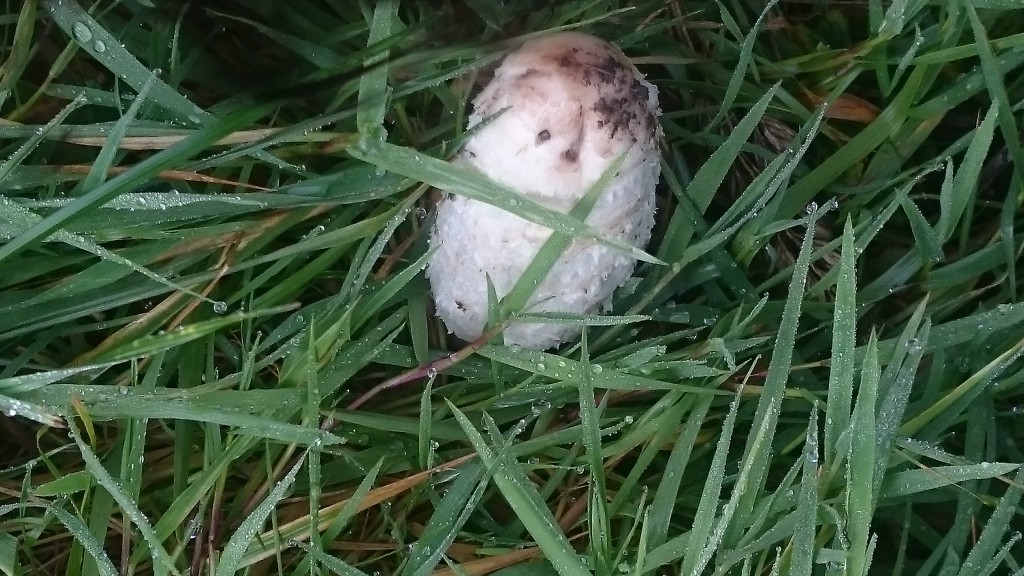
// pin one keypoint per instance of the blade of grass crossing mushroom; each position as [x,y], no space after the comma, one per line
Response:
[230,560]
[465,182]
[523,497]
[162,562]
[860,503]
[757,453]
[555,245]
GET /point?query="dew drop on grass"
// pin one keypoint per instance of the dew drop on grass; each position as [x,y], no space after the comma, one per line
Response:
[914,345]
[81,32]
[811,208]
[220,307]
[99,46]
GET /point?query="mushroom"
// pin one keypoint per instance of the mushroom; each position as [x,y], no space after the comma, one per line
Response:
[559,112]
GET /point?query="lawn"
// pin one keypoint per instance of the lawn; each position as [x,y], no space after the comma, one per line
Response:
[219,353]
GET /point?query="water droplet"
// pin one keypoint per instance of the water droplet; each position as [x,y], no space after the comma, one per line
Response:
[220,307]
[628,419]
[81,31]
[914,345]
[122,390]
[811,208]
[431,372]
[421,213]
[99,46]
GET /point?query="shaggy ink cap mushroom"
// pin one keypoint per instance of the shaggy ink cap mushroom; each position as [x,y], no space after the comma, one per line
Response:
[570,106]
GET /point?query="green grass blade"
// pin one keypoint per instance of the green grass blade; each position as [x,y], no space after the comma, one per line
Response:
[373,85]
[840,377]
[861,465]
[163,563]
[106,49]
[465,182]
[231,557]
[532,511]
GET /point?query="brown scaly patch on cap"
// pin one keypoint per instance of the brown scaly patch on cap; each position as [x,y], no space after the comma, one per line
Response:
[621,104]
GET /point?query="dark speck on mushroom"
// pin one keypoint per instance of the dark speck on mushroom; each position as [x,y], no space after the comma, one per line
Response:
[570,155]
[543,136]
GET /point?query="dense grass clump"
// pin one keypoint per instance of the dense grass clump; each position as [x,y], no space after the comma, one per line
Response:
[218,353]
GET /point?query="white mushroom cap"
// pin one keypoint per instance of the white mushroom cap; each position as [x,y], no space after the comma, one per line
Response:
[568,106]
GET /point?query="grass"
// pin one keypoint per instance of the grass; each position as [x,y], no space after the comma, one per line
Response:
[218,353]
